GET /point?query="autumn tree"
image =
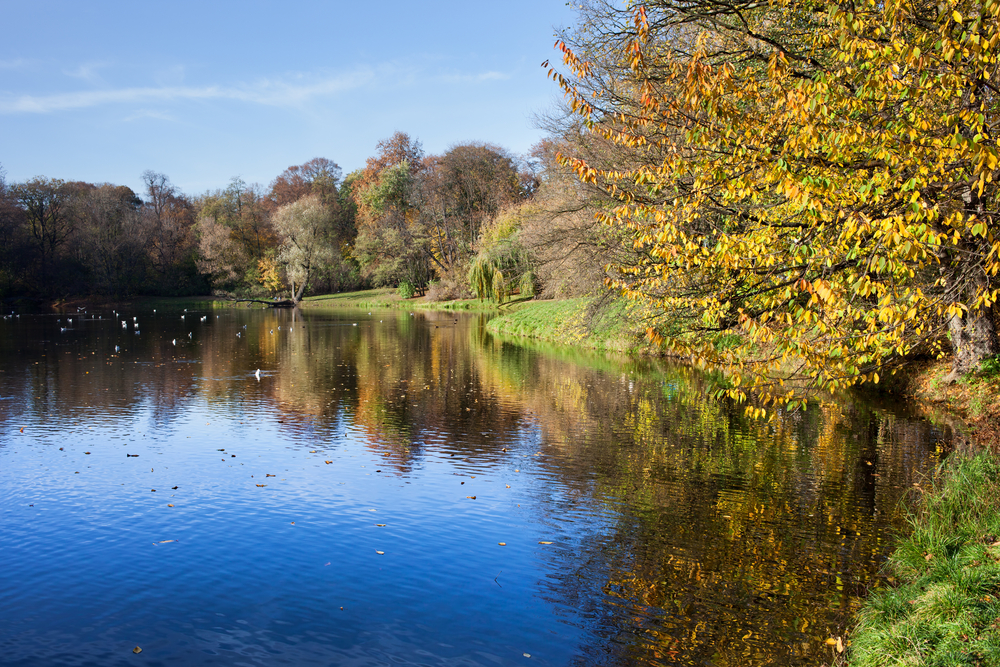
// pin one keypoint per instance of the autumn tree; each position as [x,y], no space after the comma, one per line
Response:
[306,244]
[14,245]
[462,191]
[45,203]
[817,183]
[391,247]
[243,212]
[319,176]
[170,217]
[113,238]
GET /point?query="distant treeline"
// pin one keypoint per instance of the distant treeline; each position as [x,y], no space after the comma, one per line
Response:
[477,220]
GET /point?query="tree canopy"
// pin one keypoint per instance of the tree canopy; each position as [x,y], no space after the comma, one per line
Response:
[810,189]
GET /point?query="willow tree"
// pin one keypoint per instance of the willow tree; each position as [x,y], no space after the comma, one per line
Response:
[819,180]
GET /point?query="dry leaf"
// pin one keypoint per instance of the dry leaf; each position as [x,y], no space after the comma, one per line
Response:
[169,505]
[380,553]
[380,525]
[329,462]
[262,485]
[928,557]
[471,497]
[545,543]
[137,650]
[268,475]
[313,451]
[86,452]
[503,544]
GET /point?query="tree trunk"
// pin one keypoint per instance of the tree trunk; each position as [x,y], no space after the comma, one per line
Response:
[973,338]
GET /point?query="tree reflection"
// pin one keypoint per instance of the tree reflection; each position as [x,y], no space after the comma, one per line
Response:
[688,534]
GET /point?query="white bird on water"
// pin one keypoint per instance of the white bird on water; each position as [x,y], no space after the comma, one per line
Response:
[174,341]
[257,375]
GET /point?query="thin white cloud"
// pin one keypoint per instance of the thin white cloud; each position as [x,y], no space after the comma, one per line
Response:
[293,91]
[264,92]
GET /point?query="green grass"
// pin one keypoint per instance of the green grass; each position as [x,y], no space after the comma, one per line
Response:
[577,322]
[945,607]
[387,297]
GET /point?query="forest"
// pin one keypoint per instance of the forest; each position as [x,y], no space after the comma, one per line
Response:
[788,191]
[448,226]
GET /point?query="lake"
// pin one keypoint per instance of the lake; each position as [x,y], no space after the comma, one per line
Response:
[403,488]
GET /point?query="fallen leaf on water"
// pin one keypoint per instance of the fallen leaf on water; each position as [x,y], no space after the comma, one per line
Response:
[262,485]
[380,553]
[22,431]
[169,505]
[86,452]
[152,490]
[503,544]
[380,525]
[312,451]
[328,462]
[164,541]
[173,487]
[267,475]
[137,650]
[526,655]
[508,486]
[293,523]
[471,497]
[545,543]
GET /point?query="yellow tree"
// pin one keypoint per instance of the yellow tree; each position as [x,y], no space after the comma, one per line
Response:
[810,189]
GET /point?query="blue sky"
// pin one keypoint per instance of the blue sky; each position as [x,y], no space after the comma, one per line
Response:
[205,91]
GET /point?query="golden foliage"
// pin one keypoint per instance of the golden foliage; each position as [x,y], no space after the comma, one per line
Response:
[823,185]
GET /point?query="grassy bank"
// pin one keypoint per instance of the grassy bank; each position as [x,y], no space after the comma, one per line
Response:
[581,323]
[386,297]
[944,608]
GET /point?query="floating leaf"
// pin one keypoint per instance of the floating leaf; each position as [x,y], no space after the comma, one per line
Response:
[86,452]
[173,487]
[380,553]
[503,544]
[262,485]
[328,462]
[137,650]
[169,505]
[269,475]
[546,543]
[471,497]
[380,525]
[313,451]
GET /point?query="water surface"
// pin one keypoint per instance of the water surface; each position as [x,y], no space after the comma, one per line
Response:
[401,488]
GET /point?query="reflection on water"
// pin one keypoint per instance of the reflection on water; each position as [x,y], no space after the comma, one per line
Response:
[402,488]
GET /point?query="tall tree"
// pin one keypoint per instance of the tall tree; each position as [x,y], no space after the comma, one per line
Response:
[818,181]
[306,244]
[45,203]
[113,238]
